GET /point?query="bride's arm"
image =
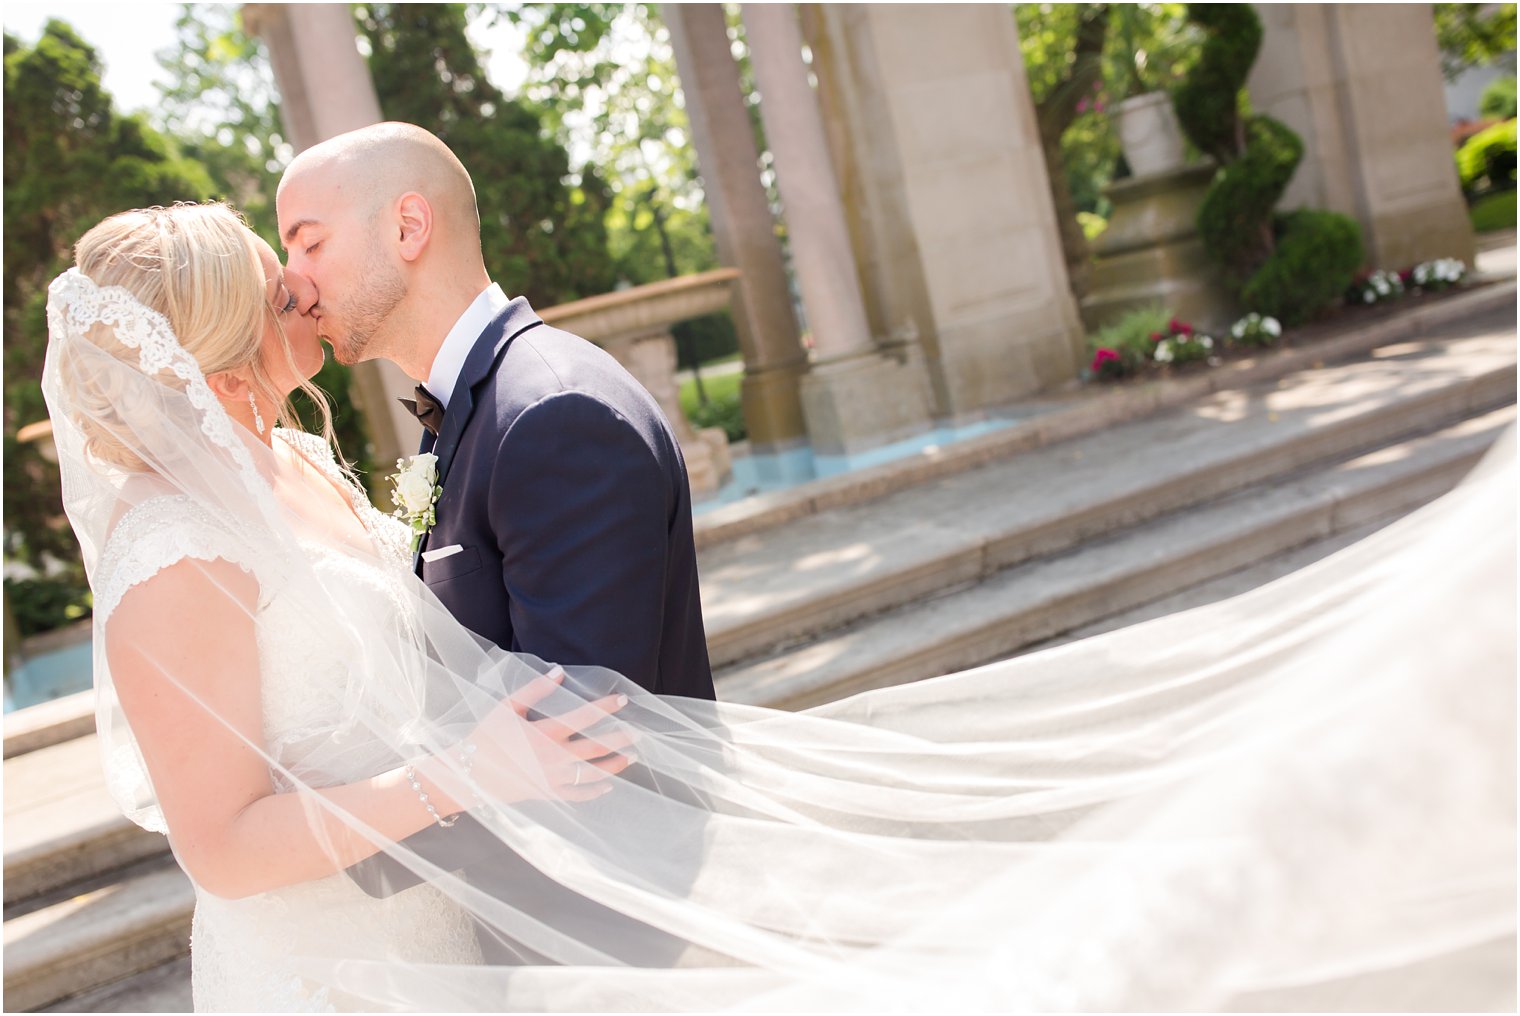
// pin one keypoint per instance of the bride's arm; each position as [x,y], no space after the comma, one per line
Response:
[185,664]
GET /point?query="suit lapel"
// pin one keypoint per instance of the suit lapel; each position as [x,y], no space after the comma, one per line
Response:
[516,318]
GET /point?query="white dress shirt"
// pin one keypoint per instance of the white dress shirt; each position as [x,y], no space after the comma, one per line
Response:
[461,339]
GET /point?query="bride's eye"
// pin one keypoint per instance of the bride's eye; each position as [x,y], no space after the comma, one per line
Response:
[290,303]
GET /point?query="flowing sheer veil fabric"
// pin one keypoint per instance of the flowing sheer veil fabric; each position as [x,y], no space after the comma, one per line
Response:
[1301,797]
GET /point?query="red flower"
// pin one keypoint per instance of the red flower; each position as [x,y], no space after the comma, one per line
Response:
[1157,336]
[1103,356]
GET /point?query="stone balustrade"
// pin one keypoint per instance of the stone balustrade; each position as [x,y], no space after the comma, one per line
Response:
[634,326]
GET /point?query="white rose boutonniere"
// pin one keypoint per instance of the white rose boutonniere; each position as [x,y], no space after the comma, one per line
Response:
[415,491]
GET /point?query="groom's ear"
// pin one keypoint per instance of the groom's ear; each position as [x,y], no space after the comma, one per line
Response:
[414,219]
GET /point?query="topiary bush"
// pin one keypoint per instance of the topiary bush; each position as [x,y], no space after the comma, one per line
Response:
[1207,101]
[1316,257]
[1285,266]
[1235,221]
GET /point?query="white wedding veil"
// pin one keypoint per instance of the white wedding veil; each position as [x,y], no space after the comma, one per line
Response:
[1303,797]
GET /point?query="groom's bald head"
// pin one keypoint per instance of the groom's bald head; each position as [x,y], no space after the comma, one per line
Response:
[374,166]
[372,217]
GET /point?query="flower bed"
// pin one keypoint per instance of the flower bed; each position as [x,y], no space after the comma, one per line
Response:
[1150,341]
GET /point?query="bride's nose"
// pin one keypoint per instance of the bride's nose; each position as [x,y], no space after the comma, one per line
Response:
[303,289]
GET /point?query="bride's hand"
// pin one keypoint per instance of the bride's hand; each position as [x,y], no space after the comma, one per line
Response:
[567,764]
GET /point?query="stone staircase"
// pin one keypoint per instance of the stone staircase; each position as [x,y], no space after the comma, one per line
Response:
[1096,510]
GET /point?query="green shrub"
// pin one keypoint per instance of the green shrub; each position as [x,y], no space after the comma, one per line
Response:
[1234,221]
[1207,102]
[722,410]
[1317,257]
[1498,99]
[1493,211]
[46,602]
[1286,267]
[1487,160]
[704,339]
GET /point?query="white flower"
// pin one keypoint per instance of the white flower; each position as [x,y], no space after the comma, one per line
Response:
[1207,341]
[415,491]
[1163,352]
[1271,327]
[1239,330]
[1369,296]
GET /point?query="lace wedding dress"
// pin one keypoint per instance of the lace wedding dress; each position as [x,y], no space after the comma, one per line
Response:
[237,946]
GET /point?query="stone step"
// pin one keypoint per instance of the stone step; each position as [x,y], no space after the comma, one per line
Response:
[1089,409]
[61,824]
[785,584]
[996,615]
[135,922]
[164,988]
[49,723]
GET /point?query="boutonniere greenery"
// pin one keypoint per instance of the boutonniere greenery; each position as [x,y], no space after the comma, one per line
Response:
[415,491]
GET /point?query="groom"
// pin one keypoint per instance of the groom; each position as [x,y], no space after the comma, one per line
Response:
[564,527]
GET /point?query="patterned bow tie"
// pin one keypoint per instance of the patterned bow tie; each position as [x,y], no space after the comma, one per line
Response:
[427,409]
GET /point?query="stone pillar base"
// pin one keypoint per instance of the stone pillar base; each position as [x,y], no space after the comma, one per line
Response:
[865,402]
[772,410]
[1151,254]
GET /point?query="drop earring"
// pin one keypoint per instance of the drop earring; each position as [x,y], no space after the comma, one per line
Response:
[258,420]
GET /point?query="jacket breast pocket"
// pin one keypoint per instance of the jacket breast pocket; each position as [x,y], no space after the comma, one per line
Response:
[451,567]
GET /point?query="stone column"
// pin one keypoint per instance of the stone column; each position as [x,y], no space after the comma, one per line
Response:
[774,358]
[1362,86]
[325,90]
[854,397]
[933,132]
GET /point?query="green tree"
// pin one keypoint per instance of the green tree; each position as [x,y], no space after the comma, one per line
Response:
[1081,60]
[70,160]
[221,102]
[1473,35]
[542,231]
[606,76]
[1063,89]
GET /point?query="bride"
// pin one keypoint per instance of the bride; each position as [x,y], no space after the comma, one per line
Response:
[1301,798]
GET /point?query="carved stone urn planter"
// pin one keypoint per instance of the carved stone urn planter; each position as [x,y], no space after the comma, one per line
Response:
[1150,134]
[634,326]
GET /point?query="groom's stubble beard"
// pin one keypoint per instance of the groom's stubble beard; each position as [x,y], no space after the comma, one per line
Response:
[366,314]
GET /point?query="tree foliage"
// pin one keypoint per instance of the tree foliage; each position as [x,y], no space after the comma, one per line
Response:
[70,160]
[1473,35]
[542,232]
[220,100]
[606,75]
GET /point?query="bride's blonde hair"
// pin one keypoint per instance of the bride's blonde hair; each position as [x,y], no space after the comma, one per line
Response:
[198,265]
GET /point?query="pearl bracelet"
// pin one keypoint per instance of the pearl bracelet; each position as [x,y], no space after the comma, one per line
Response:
[466,759]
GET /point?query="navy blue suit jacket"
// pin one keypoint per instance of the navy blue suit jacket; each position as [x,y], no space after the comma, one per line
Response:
[566,490]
